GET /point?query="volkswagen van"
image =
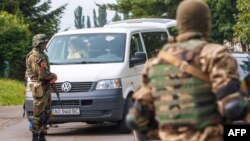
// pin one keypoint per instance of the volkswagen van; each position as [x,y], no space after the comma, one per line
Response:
[97,87]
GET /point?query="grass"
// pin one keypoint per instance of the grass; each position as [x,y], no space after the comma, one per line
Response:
[11,92]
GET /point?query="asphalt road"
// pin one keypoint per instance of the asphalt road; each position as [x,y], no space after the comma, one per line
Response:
[13,127]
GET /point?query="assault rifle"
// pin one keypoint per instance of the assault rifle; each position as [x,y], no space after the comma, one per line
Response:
[53,85]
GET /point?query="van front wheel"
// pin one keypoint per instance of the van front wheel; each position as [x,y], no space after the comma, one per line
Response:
[122,123]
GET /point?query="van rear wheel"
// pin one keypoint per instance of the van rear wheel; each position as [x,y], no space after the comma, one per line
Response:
[122,123]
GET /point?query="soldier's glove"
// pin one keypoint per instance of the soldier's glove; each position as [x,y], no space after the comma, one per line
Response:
[53,78]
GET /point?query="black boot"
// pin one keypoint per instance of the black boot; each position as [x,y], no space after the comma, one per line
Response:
[34,137]
[42,137]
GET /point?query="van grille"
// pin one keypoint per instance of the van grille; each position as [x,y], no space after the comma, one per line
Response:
[85,102]
[75,87]
[66,103]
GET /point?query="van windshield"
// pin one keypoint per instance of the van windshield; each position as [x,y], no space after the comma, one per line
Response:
[87,48]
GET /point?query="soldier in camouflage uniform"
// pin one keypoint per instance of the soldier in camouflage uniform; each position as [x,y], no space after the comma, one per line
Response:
[192,87]
[38,70]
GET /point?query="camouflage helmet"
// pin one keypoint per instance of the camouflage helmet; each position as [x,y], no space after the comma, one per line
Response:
[38,39]
[193,16]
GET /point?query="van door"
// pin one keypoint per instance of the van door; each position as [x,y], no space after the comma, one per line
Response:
[133,79]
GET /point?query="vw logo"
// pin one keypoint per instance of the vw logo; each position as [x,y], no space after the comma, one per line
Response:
[66,86]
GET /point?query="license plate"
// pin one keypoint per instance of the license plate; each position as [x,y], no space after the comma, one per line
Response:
[68,111]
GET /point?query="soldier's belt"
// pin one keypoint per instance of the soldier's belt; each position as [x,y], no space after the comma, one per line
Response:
[183,65]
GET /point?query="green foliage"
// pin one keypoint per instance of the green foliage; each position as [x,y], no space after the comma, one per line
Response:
[36,13]
[145,8]
[9,5]
[117,17]
[223,19]
[95,18]
[242,27]
[14,43]
[223,13]
[79,18]
[88,22]
[125,16]
[11,92]
[31,17]
[102,17]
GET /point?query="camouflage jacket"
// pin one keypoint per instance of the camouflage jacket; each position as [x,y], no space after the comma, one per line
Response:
[212,59]
[37,66]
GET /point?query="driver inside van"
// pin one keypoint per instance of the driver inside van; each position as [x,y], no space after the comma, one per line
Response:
[77,50]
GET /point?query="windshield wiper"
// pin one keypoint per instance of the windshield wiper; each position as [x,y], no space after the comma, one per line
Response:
[53,63]
[81,62]
[89,62]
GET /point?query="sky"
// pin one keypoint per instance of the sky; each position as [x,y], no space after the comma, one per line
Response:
[67,19]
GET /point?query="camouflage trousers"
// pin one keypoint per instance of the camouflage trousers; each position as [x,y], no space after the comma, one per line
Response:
[210,133]
[41,112]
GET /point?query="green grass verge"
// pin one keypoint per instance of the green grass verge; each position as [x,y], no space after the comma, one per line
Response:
[11,92]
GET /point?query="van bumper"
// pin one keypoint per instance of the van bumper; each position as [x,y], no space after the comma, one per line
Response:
[95,106]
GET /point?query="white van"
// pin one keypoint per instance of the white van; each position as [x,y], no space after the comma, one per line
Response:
[243,61]
[97,87]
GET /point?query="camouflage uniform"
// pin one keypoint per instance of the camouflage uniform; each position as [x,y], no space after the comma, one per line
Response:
[38,70]
[186,107]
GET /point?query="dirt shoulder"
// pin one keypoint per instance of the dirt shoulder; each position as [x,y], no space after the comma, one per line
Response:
[10,115]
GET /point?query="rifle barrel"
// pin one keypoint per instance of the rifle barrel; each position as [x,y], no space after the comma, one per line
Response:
[57,93]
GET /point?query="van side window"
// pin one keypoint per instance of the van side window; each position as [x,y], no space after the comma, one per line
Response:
[154,41]
[135,45]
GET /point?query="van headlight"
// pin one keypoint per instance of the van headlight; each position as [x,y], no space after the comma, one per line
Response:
[109,84]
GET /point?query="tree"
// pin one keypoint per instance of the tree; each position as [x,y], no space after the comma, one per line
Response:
[223,13]
[117,17]
[242,27]
[95,18]
[223,19]
[125,16]
[88,22]
[79,18]
[102,17]
[14,45]
[11,6]
[145,8]
[36,13]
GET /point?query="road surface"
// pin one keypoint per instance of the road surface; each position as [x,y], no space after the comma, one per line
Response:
[13,127]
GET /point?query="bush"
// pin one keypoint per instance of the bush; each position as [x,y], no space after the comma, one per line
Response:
[14,45]
[11,92]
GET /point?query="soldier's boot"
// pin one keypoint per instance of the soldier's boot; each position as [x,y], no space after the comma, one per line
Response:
[42,137]
[35,137]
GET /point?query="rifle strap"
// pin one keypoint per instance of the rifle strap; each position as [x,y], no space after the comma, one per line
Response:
[183,65]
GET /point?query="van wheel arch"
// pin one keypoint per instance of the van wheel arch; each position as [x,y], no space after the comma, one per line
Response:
[122,123]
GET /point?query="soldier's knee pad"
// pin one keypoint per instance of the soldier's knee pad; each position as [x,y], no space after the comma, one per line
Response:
[236,109]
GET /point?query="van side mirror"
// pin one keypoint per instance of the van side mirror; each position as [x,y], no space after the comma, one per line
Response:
[139,58]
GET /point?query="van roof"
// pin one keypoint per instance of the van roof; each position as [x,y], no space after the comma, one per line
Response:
[109,30]
[144,22]
[132,25]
